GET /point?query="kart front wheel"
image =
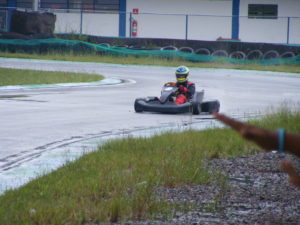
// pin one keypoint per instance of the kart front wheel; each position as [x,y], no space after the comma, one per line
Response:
[137,106]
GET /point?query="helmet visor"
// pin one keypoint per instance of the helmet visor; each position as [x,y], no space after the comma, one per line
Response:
[181,78]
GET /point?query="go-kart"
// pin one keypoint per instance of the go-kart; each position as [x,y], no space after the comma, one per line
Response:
[166,103]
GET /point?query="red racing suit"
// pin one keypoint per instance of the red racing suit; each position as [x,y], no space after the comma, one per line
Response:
[186,91]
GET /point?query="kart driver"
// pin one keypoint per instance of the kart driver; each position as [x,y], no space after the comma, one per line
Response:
[186,89]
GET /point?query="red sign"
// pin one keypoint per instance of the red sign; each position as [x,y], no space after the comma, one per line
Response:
[135,11]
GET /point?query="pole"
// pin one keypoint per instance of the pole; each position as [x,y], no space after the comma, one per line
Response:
[81,18]
[186,26]
[235,21]
[11,4]
[122,18]
[288,30]
[35,5]
[130,24]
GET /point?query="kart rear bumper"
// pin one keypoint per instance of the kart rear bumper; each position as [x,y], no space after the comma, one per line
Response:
[155,106]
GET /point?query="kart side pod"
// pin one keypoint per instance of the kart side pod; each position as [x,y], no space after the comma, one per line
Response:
[195,106]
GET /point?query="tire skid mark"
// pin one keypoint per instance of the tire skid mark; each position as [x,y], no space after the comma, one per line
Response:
[16,160]
[22,100]
[25,156]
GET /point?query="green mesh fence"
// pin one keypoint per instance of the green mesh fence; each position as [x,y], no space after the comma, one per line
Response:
[42,46]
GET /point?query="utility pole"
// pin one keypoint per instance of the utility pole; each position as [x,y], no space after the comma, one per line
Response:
[35,5]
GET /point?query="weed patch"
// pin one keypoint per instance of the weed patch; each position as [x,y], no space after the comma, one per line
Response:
[117,183]
[148,60]
[31,77]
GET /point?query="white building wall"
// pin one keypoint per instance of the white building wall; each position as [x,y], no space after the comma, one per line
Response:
[270,30]
[174,26]
[67,23]
[161,26]
[199,7]
[207,20]
[209,28]
[101,24]
[294,37]
[288,8]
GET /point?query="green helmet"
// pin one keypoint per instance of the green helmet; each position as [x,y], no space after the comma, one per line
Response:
[182,73]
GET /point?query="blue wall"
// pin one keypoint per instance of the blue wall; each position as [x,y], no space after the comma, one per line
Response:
[235,19]
[10,3]
[122,18]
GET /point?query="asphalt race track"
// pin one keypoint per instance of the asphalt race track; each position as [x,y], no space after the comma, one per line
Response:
[45,118]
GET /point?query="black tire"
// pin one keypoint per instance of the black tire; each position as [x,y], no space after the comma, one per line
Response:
[120,46]
[210,106]
[137,106]
[170,47]
[202,51]
[186,49]
[287,55]
[104,44]
[272,54]
[196,108]
[136,47]
[221,53]
[255,54]
[237,55]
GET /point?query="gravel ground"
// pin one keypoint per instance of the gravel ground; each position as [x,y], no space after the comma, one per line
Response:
[256,192]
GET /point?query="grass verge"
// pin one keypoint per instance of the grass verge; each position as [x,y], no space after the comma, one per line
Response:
[93,57]
[32,77]
[118,182]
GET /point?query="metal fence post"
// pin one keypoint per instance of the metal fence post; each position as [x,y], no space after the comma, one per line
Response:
[186,26]
[288,30]
[130,24]
[35,5]
[11,5]
[81,18]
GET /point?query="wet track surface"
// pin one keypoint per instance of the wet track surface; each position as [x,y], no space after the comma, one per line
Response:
[44,119]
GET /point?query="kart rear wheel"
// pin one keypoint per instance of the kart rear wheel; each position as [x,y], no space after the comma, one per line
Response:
[211,106]
[196,108]
[137,107]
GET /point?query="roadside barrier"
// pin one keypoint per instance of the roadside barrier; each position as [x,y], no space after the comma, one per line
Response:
[201,54]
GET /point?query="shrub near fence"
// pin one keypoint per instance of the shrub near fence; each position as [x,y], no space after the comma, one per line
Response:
[63,45]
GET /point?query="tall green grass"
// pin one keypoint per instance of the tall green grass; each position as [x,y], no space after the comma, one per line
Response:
[93,57]
[119,182]
[23,77]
